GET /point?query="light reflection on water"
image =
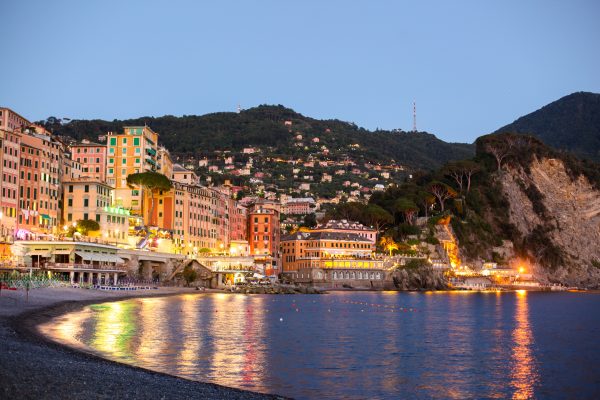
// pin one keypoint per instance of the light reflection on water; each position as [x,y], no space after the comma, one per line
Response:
[350,345]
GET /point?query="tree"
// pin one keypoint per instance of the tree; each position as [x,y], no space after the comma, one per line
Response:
[442,192]
[425,199]
[189,274]
[407,208]
[500,147]
[152,181]
[85,226]
[377,216]
[389,244]
[310,220]
[461,171]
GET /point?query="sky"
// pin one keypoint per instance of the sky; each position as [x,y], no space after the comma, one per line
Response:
[470,66]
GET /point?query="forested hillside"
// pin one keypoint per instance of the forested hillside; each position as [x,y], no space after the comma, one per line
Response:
[265,126]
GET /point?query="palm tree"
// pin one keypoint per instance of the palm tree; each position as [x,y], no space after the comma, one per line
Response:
[388,243]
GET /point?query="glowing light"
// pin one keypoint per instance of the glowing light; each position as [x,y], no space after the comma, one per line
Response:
[521,270]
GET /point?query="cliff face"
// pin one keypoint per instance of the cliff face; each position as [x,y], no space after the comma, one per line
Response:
[558,218]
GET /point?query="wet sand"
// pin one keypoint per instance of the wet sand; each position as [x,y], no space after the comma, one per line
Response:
[33,367]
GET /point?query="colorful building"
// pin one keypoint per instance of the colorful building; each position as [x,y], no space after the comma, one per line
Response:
[92,158]
[40,178]
[130,152]
[90,198]
[10,147]
[345,226]
[263,238]
[331,258]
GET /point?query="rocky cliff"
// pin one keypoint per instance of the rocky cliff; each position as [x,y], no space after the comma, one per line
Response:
[558,217]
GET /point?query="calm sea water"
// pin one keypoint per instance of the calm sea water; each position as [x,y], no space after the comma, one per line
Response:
[357,345]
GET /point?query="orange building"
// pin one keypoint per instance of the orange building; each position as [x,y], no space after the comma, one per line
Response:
[331,258]
[263,238]
[130,152]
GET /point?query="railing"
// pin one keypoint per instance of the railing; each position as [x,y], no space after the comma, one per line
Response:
[75,266]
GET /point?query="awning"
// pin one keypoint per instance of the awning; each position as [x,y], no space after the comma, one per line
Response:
[86,256]
[45,216]
[41,253]
[63,251]
[105,258]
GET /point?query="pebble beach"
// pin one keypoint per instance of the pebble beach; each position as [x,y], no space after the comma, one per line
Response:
[33,367]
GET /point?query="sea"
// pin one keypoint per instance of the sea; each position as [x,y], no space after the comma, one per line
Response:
[356,345]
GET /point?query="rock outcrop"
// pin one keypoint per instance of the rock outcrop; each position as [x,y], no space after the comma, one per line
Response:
[557,214]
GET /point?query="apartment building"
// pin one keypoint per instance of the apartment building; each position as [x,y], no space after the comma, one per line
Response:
[91,198]
[40,178]
[263,238]
[92,157]
[132,151]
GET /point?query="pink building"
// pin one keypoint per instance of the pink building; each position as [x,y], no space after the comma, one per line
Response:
[92,157]
[10,146]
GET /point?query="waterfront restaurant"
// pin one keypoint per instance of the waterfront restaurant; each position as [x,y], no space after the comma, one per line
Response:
[83,262]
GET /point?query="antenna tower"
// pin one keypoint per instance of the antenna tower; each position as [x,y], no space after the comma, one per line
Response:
[414,116]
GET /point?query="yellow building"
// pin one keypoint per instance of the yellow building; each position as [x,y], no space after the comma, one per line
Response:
[90,198]
[133,151]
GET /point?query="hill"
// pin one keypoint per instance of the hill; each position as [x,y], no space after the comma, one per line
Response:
[518,202]
[265,127]
[571,123]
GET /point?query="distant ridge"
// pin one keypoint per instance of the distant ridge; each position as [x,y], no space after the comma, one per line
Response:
[570,123]
[264,126]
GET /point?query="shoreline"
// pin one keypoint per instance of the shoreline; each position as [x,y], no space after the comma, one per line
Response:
[35,366]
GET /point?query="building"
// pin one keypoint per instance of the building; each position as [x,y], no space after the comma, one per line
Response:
[40,179]
[91,198]
[165,162]
[10,147]
[299,206]
[133,151]
[263,238]
[345,226]
[92,157]
[11,121]
[331,258]
[80,261]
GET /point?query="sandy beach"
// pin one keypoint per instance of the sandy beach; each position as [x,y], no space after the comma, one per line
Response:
[33,367]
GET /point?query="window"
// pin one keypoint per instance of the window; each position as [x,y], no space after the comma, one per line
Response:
[85,215]
[111,160]
[70,188]
[111,150]
[98,218]
[97,160]
[69,217]
[124,141]
[86,188]
[137,160]
[136,141]
[111,171]
[70,202]
[86,202]
[137,150]
[113,142]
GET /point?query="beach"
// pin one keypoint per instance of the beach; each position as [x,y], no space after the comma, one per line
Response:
[33,367]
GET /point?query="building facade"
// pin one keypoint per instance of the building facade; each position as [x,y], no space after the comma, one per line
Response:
[263,238]
[130,152]
[92,158]
[90,198]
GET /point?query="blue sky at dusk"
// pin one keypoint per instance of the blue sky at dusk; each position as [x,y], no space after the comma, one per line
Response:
[471,66]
